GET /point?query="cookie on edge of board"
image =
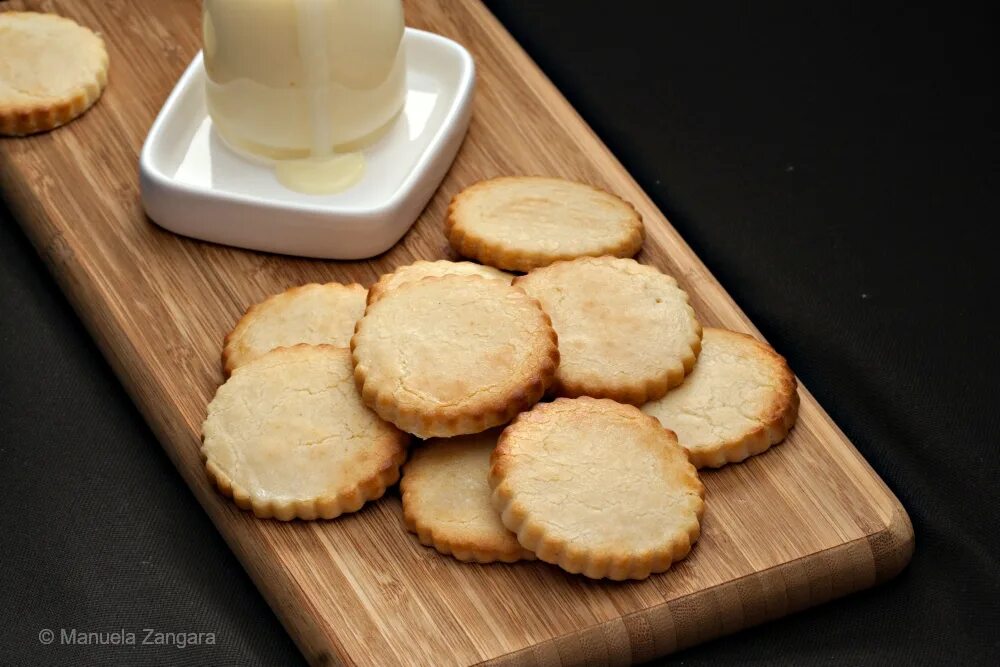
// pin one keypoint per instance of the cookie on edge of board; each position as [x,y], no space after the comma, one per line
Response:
[451,355]
[520,223]
[54,71]
[288,437]
[423,269]
[626,331]
[739,400]
[315,314]
[446,500]
[597,488]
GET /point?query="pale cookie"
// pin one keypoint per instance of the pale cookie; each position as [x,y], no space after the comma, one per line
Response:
[452,355]
[597,487]
[288,437]
[421,269]
[312,314]
[51,71]
[738,401]
[626,331]
[522,222]
[446,500]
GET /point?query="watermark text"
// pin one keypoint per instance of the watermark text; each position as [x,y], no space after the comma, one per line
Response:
[124,637]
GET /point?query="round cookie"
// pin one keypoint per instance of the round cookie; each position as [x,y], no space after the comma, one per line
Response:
[453,355]
[626,331]
[597,487]
[523,222]
[422,269]
[288,437]
[446,500]
[53,70]
[738,401]
[312,314]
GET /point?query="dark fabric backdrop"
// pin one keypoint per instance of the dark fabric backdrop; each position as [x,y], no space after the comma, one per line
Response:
[834,166]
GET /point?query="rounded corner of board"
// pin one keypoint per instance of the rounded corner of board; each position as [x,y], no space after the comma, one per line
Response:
[892,546]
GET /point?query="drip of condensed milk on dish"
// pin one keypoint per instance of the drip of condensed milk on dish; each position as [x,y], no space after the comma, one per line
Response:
[306,83]
[321,175]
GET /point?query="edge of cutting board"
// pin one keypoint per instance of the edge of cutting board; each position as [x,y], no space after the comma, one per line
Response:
[705,615]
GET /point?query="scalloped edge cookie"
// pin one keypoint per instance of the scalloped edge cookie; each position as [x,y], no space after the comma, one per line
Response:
[572,553]
[773,424]
[390,446]
[625,386]
[423,420]
[468,241]
[52,111]
[423,269]
[235,352]
[427,472]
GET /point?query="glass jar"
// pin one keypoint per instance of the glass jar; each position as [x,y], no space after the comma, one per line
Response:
[290,79]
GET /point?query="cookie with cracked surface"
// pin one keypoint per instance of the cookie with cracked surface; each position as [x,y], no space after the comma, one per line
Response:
[626,330]
[451,355]
[739,400]
[288,437]
[53,71]
[422,269]
[312,314]
[446,500]
[523,222]
[598,488]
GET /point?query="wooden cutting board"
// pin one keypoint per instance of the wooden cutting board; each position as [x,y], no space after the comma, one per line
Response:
[803,523]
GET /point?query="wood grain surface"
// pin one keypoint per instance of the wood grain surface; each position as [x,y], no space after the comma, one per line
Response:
[803,523]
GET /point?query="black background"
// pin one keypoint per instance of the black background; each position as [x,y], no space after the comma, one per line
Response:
[834,166]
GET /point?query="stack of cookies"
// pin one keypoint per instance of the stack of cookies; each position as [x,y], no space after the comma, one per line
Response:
[562,413]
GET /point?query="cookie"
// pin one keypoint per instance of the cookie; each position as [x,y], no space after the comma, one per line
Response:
[453,355]
[626,331]
[520,223]
[51,71]
[313,314]
[446,500]
[422,269]
[288,437]
[739,400]
[597,487]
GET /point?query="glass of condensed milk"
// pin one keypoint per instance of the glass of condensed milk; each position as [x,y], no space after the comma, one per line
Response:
[306,83]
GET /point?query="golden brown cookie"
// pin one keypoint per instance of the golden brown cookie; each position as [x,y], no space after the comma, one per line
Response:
[523,222]
[597,487]
[452,355]
[288,437]
[421,269]
[313,314]
[738,401]
[626,331]
[51,71]
[446,500]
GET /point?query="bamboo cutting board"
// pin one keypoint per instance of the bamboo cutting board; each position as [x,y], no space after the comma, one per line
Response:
[803,523]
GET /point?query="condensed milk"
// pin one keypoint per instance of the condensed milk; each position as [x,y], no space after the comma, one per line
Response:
[306,83]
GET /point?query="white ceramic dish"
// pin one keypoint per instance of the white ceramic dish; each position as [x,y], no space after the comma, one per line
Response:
[194,185]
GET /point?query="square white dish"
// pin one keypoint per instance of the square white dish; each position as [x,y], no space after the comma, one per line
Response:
[194,185]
